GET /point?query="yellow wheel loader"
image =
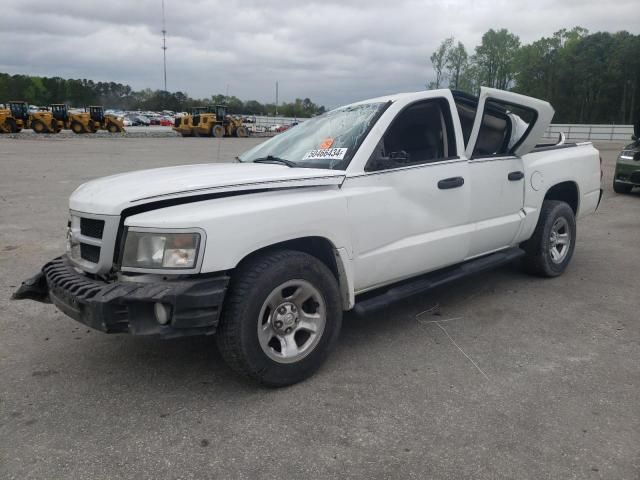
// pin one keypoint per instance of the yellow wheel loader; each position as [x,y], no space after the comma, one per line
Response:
[101,121]
[184,125]
[14,118]
[17,117]
[210,122]
[42,121]
[78,122]
[5,114]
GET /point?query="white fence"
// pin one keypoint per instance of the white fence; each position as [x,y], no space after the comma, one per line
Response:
[262,123]
[573,132]
[590,132]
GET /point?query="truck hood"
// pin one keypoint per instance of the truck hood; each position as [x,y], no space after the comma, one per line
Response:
[111,195]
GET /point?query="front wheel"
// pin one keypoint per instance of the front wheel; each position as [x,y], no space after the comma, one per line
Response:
[217,131]
[281,318]
[549,250]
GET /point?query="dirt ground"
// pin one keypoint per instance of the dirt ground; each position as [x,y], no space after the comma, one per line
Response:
[498,376]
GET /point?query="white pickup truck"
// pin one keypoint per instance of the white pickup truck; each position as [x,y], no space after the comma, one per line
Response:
[367,204]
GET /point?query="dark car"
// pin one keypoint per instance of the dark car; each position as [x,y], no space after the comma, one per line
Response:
[627,173]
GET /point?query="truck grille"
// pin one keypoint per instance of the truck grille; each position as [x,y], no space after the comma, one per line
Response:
[90,253]
[91,227]
[92,240]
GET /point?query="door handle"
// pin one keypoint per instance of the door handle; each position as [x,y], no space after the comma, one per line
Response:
[515,176]
[453,182]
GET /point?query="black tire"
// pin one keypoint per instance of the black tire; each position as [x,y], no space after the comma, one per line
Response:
[13,126]
[217,131]
[241,132]
[250,286]
[113,128]
[39,127]
[621,187]
[77,128]
[539,258]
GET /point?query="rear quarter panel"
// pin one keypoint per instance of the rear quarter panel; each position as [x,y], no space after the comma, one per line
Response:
[544,169]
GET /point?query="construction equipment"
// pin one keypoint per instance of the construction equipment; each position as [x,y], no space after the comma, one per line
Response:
[19,117]
[78,122]
[184,125]
[14,118]
[210,122]
[43,121]
[101,121]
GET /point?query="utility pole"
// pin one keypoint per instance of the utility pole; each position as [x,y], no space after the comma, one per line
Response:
[164,47]
[276,97]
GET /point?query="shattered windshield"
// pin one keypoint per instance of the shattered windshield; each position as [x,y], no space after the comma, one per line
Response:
[328,141]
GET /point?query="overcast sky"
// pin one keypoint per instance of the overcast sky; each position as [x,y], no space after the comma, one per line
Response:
[331,51]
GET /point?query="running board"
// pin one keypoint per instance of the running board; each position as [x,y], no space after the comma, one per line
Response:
[382,297]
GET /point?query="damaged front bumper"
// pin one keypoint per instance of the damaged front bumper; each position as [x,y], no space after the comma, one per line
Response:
[167,308]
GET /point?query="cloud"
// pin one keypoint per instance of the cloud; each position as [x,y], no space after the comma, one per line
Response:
[331,51]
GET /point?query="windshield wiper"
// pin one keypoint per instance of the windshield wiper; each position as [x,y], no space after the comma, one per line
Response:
[272,159]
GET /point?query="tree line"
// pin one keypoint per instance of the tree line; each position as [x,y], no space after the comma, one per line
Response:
[80,93]
[588,78]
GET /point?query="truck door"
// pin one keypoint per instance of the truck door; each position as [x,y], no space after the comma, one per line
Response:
[408,211]
[505,126]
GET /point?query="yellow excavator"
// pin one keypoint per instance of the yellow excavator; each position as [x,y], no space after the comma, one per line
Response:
[210,122]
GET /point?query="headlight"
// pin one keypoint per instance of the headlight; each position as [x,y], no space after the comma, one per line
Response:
[161,250]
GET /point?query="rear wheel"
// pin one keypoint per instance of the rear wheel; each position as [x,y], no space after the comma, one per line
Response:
[77,127]
[39,127]
[217,131]
[549,250]
[621,187]
[12,126]
[281,318]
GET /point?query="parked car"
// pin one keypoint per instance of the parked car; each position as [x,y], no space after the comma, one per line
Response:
[126,121]
[256,128]
[166,121]
[141,120]
[274,128]
[367,204]
[627,173]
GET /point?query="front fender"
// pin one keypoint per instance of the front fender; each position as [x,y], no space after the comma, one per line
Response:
[240,225]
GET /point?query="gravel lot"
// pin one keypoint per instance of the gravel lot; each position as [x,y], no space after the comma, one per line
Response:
[555,394]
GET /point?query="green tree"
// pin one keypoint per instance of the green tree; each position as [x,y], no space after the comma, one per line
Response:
[439,62]
[456,63]
[494,58]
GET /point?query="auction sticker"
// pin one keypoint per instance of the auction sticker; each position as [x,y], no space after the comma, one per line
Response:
[326,154]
